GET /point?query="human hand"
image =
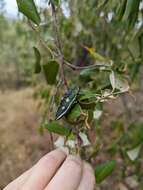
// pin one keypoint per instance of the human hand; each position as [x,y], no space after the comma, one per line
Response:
[56,171]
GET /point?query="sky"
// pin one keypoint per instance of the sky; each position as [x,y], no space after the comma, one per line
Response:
[12,10]
[11,7]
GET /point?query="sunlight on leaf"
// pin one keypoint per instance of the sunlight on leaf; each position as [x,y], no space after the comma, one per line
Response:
[71,143]
[85,141]
[97,114]
[134,153]
[94,54]
[112,79]
[59,142]
[122,85]
[28,8]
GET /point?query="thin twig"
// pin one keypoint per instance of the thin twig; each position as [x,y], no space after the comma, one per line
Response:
[74,67]
[53,96]
[58,43]
[60,54]
[51,140]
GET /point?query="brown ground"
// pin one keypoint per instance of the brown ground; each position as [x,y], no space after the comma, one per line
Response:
[20,143]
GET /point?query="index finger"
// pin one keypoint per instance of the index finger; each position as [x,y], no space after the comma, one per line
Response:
[44,170]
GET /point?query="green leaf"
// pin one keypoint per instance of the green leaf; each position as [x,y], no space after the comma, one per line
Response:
[86,74]
[104,170]
[135,134]
[86,95]
[50,71]
[37,62]
[122,9]
[87,100]
[28,8]
[128,10]
[134,70]
[134,14]
[141,45]
[56,2]
[54,127]
[74,113]
[131,12]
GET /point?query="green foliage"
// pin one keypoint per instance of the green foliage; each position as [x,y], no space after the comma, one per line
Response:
[54,127]
[17,58]
[50,70]
[135,134]
[56,2]
[28,8]
[37,62]
[104,170]
[101,62]
[95,55]
[129,11]
[74,113]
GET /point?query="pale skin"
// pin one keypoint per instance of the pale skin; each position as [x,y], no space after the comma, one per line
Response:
[56,171]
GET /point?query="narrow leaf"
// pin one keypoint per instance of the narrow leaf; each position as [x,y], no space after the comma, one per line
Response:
[128,10]
[28,8]
[122,9]
[94,54]
[37,62]
[104,170]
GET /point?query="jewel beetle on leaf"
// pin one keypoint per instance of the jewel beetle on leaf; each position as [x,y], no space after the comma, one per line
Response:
[67,101]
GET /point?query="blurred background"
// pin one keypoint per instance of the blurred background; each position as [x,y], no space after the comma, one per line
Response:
[113,28]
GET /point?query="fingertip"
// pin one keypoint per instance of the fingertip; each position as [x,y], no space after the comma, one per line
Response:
[44,170]
[57,153]
[75,159]
[65,150]
[69,174]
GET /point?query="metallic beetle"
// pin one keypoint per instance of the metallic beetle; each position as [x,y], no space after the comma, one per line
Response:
[67,101]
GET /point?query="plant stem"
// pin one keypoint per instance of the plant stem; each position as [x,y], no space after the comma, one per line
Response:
[58,43]
[74,67]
